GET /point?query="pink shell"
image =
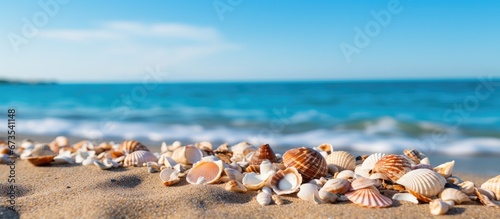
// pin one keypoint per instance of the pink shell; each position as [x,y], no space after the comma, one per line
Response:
[369,197]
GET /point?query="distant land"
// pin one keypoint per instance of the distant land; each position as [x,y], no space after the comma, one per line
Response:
[32,82]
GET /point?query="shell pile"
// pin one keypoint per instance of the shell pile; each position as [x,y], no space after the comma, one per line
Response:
[318,175]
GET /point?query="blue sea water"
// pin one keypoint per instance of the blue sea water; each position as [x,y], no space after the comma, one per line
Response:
[444,117]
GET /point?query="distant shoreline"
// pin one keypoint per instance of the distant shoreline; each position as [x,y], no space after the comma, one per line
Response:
[34,82]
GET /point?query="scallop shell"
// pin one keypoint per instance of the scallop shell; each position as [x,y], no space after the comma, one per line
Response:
[467,187]
[139,158]
[309,192]
[445,169]
[423,181]
[308,162]
[342,160]
[255,181]
[263,198]
[286,181]
[393,166]
[169,176]
[187,155]
[454,195]
[369,197]
[405,197]
[130,146]
[41,160]
[371,160]
[337,186]
[265,152]
[493,185]
[484,198]
[438,207]
[361,183]
[210,170]
[235,186]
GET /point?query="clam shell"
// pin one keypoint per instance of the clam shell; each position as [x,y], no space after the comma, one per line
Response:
[187,155]
[235,186]
[337,186]
[467,187]
[393,166]
[255,181]
[169,176]
[139,158]
[346,174]
[405,197]
[286,181]
[41,160]
[265,152]
[309,192]
[423,181]
[342,160]
[493,185]
[263,198]
[438,207]
[130,146]
[371,160]
[308,162]
[369,197]
[210,170]
[445,169]
[361,183]
[454,195]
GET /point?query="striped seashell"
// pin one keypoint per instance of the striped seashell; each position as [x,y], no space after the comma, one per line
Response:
[265,152]
[445,169]
[169,176]
[278,200]
[130,146]
[371,160]
[467,187]
[393,166]
[235,186]
[263,198]
[210,170]
[369,197]
[485,198]
[493,185]
[414,155]
[439,207]
[342,160]
[40,160]
[361,183]
[337,186]
[286,181]
[423,181]
[187,155]
[454,195]
[139,158]
[308,162]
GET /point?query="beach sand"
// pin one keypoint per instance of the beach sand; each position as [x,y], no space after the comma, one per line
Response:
[75,191]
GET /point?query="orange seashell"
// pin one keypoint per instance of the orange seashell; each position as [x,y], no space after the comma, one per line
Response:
[414,155]
[115,154]
[42,160]
[308,162]
[264,152]
[253,168]
[393,166]
[130,146]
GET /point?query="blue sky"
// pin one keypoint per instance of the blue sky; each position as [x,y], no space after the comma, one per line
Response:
[96,41]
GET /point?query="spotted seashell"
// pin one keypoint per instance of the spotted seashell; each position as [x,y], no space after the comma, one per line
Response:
[139,158]
[445,169]
[342,160]
[308,162]
[130,146]
[423,181]
[286,181]
[493,185]
[265,152]
[337,186]
[439,207]
[454,195]
[169,176]
[393,166]
[187,155]
[369,197]
[371,160]
[211,171]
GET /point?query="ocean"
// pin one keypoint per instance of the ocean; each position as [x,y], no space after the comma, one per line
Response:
[441,117]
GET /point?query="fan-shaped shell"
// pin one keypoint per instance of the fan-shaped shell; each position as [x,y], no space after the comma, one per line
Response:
[369,197]
[169,176]
[371,160]
[286,181]
[210,170]
[253,168]
[454,195]
[139,158]
[337,186]
[308,162]
[187,155]
[342,160]
[265,152]
[493,185]
[361,183]
[445,169]
[130,146]
[393,166]
[423,181]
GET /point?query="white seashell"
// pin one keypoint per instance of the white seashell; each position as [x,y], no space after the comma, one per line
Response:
[256,181]
[164,148]
[438,207]
[379,176]
[210,171]
[423,181]
[454,195]
[263,198]
[169,176]
[102,166]
[266,166]
[493,185]
[267,190]
[286,181]
[63,159]
[109,161]
[467,187]
[139,158]
[425,161]
[233,174]
[361,183]
[346,174]
[369,197]
[485,198]
[342,160]
[187,155]
[337,186]
[153,167]
[236,167]
[454,180]
[210,158]
[201,181]
[445,169]
[235,186]
[309,192]
[119,159]
[405,197]
[371,160]
[362,172]
[89,161]
[327,196]
[332,169]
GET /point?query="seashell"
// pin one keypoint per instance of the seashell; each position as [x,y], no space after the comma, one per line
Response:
[267,190]
[40,160]
[327,196]
[139,158]
[286,181]
[425,161]
[253,168]
[265,152]
[225,157]
[309,192]
[164,148]
[328,148]
[115,154]
[493,185]
[454,180]
[4,159]
[263,198]
[342,160]
[235,186]
[279,158]
[169,176]
[337,186]
[423,181]
[201,181]
[210,170]
[438,207]
[445,169]
[379,176]
[332,169]
[361,183]
[59,142]
[467,187]
[109,161]
[153,167]
[242,149]
[371,160]
[174,146]
[89,161]
[130,146]
[235,166]
[454,195]
[233,174]
[308,162]
[63,158]
[414,155]
[419,196]
[346,174]
[266,167]
[421,166]
[277,200]
[119,159]
[369,197]
[187,155]
[486,192]
[362,172]
[255,181]
[41,150]
[167,161]
[279,166]
[405,197]
[102,165]
[393,166]
[204,146]
[485,198]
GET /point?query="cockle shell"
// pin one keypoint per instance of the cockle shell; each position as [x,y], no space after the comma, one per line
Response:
[445,169]
[369,197]
[361,183]
[40,160]
[263,198]
[187,155]
[308,162]
[454,195]
[342,160]
[139,158]
[210,170]
[286,181]
[405,197]
[371,160]
[438,207]
[493,185]
[393,166]
[265,152]
[423,181]
[235,186]
[467,187]
[169,176]
[337,186]
[309,192]
[130,146]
